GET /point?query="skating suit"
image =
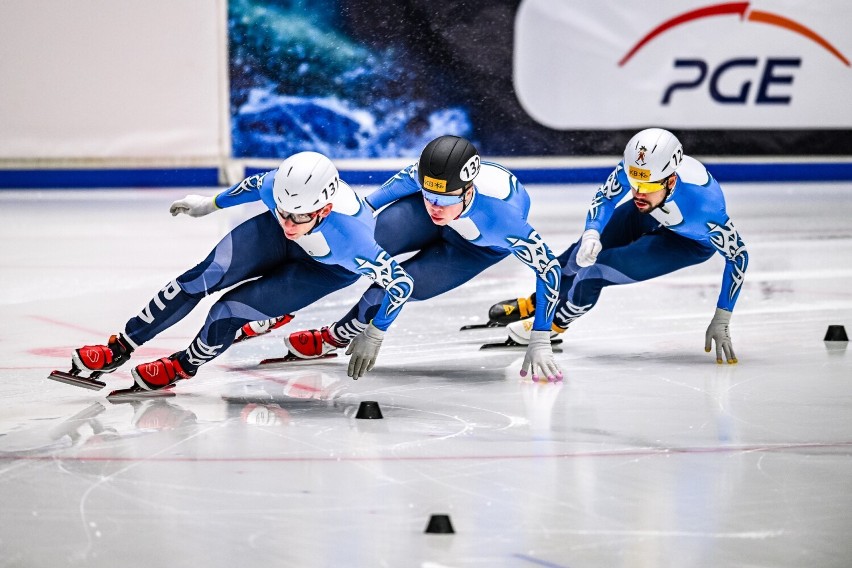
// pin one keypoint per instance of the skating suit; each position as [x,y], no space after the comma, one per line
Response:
[686,230]
[493,226]
[293,273]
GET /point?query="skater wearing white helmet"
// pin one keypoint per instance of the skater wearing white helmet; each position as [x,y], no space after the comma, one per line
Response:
[316,238]
[676,218]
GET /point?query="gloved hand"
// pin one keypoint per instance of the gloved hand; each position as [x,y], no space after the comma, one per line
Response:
[539,356]
[590,246]
[364,350]
[718,331]
[194,206]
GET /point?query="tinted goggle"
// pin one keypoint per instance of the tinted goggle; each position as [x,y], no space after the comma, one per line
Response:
[647,186]
[441,200]
[297,218]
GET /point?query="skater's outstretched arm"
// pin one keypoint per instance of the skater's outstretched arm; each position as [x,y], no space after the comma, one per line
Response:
[369,259]
[729,244]
[194,206]
[246,191]
[535,253]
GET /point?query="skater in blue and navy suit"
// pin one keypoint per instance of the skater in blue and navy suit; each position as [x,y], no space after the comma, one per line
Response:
[676,218]
[316,238]
[459,215]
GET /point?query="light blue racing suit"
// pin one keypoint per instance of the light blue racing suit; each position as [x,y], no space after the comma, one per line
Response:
[491,227]
[686,230]
[275,275]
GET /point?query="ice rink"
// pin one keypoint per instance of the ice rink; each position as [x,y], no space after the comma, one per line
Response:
[648,455]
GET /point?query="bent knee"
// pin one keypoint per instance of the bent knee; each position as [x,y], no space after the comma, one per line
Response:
[199,283]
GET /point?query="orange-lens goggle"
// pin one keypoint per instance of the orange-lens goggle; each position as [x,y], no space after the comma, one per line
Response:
[647,186]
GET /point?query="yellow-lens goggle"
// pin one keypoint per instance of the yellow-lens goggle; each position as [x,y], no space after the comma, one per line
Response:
[647,186]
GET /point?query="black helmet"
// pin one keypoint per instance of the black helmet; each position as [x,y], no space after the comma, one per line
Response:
[447,163]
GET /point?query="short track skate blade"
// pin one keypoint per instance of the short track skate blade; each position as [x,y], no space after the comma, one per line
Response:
[76,380]
[136,393]
[290,358]
[489,325]
[512,344]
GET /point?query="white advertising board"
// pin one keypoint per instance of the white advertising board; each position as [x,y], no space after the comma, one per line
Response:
[685,64]
[106,79]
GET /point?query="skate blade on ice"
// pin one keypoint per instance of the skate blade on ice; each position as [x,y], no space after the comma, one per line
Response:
[76,380]
[511,343]
[137,393]
[290,358]
[489,325]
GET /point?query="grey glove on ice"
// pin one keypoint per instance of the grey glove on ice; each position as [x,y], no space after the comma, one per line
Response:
[539,357]
[364,350]
[718,331]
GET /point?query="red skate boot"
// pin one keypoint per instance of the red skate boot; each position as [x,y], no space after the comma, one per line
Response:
[160,373]
[312,343]
[100,359]
[96,360]
[262,327]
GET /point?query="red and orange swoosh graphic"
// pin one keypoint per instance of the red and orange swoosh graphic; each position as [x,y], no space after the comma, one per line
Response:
[736,8]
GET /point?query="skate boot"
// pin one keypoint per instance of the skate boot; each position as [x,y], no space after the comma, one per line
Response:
[100,359]
[262,327]
[312,343]
[508,311]
[160,373]
[521,331]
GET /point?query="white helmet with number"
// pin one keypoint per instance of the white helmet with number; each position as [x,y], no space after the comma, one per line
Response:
[305,182]
[652,154]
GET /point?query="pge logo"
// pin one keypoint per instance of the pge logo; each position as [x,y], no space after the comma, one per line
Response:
[767,73]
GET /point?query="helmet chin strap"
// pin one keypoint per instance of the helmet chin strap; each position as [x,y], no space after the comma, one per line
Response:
[669,191]
[466,204]
[661,204]
[316,224]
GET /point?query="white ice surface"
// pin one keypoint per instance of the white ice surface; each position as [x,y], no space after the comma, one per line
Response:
[650,454]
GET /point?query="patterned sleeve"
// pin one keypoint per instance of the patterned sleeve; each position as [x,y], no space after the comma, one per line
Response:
[402,184]
[728,243]
[605,200]
[387,273]
[246,191]
[534,252]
